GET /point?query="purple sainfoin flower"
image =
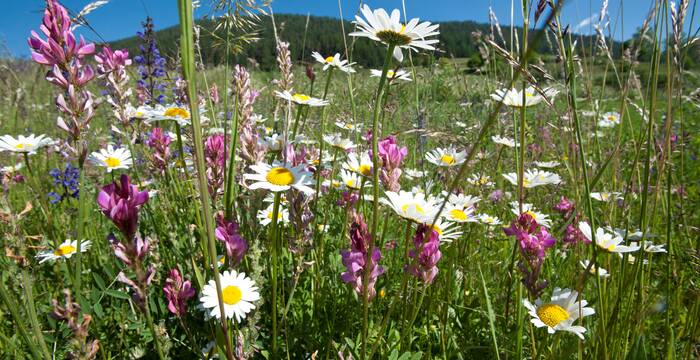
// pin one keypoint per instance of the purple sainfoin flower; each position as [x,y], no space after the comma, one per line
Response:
[348,199]
[159,141]
[64,55]
[121,202]
[355,258]
[533,240]
[236,246]
[496,195]
[425,255]
[391,156]
[215,151]
[177,292]
[111,67]
[564,207]
[60,46]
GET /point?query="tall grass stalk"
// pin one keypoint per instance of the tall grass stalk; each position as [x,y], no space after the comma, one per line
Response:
[188,70]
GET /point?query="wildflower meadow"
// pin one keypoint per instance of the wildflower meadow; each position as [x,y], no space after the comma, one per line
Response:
[187,196]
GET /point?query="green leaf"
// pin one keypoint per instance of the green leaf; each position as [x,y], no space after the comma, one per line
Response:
[492,315]
[98,280]
[117,294]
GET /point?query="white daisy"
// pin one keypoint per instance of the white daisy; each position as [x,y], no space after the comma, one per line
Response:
[542,219]
[461,200]
[560,313]
[410,206]
[606,196]
[546,164]
[514,97]
[488,219]
[605,240]
[414,173]
[24,144]
[362,165]
[533,178]
[237,294]
[352,180]
[333,61]
[111,158]
[601,272]
[65,250]
[265,215]
[11,169]
[459,214]
[378,25]
[178,113]
[446,230]
[609,119]
[345,125]
[480,180]
[503,141]
[337,141]
[392,75]
[650,247]
[446,157]
[280,177]
[301,99]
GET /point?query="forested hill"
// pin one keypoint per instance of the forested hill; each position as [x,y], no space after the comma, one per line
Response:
[323,35]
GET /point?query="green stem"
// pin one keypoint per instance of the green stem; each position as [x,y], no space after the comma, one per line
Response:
[188,70]
[31,310]
[274,244]
[19,320]
[375,200]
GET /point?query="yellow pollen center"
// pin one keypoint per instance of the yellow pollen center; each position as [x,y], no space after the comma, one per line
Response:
[605,196]
[231,295]
[301,97]
[415,206]
[20,146]
[488,220]
[64,250]
[612,118]
[350,183]
[610,248]
[552,314]
[390,73]
[447,159]
[279,216]
[279,176]
[177,112]
[529,212]
[458,214]
[112,162]
[365,170]
[329,59]
[437,229]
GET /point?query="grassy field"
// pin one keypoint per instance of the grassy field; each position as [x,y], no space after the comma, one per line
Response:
[470,227]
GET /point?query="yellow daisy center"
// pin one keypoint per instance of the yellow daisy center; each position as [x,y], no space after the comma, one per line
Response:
[112,162]
[64,250]
[394,37]
[348,126]
[279,215]
[365,170]
[437,229]
[231,295]
[329,59]
[488,220]
[20,146]
[526,182]
[177,112]
[458,214]
[605,196]
[552,314]
[531,213]
[415,206]
[390,73]
[610,247]
[447,159]
[301,97]
[612,118]
[350,183]
[279,176]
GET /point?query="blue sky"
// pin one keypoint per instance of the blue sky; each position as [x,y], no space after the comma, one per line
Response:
[121,18]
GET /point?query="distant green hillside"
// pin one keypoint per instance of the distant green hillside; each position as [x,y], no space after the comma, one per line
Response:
[323,35]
